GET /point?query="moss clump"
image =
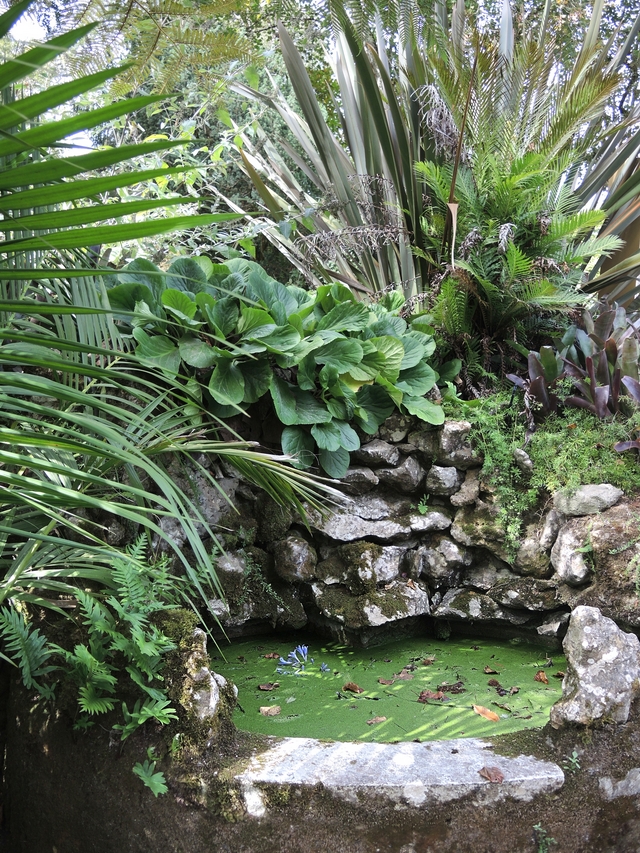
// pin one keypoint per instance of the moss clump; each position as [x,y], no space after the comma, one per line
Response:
[237,530]
[273,520]
[353,565]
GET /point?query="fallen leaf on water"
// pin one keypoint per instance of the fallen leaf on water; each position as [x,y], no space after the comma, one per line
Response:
[492,774]
[541,676]
[425,695]
[272,656]
[352,687]
[504,707]
[270,685]
[428,661]
[486,713]
[270,710]
[386,680]
[489,671]
[376,720]
[457,687]
[404,675]
[494,683]
[514,690]
[558,674]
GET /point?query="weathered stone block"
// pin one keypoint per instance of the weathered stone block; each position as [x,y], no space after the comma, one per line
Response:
[525,593]
[475,607]
[603,671]
[469,490]
[587,500]
[376,453]
[294,559]
[358,481]
[568,554]
[406,478]
[448,446]
[443,480]
[480,526]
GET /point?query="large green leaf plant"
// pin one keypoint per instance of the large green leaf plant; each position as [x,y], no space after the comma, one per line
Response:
[323,360]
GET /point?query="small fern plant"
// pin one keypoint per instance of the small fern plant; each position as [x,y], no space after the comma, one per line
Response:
[26,648]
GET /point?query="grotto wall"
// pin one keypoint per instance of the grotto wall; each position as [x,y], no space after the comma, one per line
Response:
[419,543]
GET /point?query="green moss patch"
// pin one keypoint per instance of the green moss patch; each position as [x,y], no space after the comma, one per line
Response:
[315,702]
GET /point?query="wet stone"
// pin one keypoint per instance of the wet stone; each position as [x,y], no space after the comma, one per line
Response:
[526,594]
[294,559]
[405,478]
[378,453]
[358,481]
[443,481]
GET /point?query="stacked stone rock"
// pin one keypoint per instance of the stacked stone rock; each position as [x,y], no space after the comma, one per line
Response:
[420,540]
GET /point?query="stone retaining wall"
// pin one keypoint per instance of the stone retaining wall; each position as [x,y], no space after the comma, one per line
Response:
[419,540]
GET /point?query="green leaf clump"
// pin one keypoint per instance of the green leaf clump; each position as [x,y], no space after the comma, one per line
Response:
[323,362]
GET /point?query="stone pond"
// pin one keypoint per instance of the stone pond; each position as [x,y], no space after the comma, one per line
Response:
[418,549]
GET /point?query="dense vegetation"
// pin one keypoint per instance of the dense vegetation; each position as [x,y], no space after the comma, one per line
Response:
[441,213]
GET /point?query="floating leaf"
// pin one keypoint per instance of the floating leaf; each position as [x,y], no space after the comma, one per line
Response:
[376,720]
[270,710]
[514,690]
[504,707]
[352,687]
[541,676]
[494,683]
[559,674]
[486,713]
[270,685]
[456,687]
[386,680]
[428,661]
[492,774]
[404,675]
[272,656]
[438,695]
[488,671]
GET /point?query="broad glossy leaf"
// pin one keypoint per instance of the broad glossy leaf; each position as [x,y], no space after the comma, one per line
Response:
[157,349]
[393,351]
[307,373]
[224,314]
[427,341]
[124,297]
[424,409]
[448,371]
[417,380]
[414,353]
[257,378]
[298,442]
[392,390]
[227,382]
[309,410]
[252,319]
[338,409]
[346,317]
[341,354]
[196,353]
[187,275]
[179,304]
[348,436]
[283,401]
[327,436]
[281,339]
[377,404]
[388,325]
[334,462]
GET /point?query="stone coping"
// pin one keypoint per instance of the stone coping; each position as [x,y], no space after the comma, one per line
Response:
[412,775]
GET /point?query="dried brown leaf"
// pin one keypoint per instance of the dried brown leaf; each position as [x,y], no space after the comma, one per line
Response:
[270,685]
[425,695]
[386,680]
[376,720]
[272,656]
[457,687]
[559,674]
[514,690]
[404,675]
[492,774]
[411,584]
[352,687]
[541,676]
[494,683]
[428,660]
[270,710]
[486,713]
[489,671]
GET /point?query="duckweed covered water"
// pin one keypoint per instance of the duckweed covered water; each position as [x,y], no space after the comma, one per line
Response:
[313,686]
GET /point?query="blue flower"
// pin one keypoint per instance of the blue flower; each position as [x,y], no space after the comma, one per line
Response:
[324,668]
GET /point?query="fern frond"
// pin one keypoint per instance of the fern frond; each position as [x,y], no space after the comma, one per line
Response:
[93,702]
[28,649]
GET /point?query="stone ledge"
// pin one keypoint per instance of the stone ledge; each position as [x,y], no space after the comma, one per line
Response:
[412,775]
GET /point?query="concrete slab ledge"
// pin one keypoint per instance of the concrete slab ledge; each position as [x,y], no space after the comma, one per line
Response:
[413,775]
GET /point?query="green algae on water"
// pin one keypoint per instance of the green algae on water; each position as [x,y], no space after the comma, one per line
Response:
[316,702]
